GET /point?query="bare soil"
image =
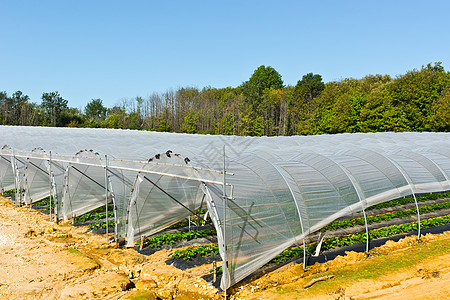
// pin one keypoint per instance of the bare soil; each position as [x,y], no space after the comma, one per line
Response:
[43,260]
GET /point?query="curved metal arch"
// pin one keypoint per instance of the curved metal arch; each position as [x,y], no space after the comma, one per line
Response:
[353,153]
[296,205]
[405,153]
[360,194]
[436,164]
[140,176]
[356,187]
[412,191]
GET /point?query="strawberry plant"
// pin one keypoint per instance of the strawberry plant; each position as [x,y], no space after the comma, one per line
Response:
[169,239]
[347,240]
[385,217]
[100,225]
[191,252]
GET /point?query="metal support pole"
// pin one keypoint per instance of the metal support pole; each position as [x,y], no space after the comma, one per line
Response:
[418,214]
[50,184]
[224,265]
[367,228]
[407,179]
[106,196]
[304,255]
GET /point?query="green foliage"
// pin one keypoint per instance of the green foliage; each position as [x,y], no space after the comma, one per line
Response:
[95,110]
[9,192]
[416,101]
[94,216]
[397,202]
[348,240]
[170,239]
[263,78]
[440,118]
[385,217]
[53,106]
[190,123]
[191,252]
[329,243]
[101,225]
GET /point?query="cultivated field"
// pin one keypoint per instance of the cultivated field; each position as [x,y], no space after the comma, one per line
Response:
[43,260]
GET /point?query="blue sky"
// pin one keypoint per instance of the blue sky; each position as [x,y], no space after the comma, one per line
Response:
[116,50]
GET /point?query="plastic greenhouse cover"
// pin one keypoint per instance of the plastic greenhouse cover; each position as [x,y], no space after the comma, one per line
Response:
[159,201]
[7,181]
[278,189]
[36,177]
[85,186]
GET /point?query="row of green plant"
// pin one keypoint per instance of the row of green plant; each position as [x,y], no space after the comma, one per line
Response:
[9,192]
[194,219]
[171,238]
[100,225]
[385,217]
[402,201]
[347,240]
[191,252]
[45,203]
[329,243]
[94,216]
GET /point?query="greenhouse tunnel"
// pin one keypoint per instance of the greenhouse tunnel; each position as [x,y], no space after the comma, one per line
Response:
[7,178]
[264,195]
[158,201]
[85,185]
[37,179]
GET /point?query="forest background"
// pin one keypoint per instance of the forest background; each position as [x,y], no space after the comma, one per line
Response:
[416,101]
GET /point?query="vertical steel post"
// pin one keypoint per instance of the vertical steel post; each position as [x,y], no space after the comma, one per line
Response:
[224,264]
[367,228]
[50,183]
[418,214]
[106,196]
[412,191]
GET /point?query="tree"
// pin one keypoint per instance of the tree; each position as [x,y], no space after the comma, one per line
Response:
[305,91]
[190,122]
[53,106]
[263,78]
[441,108]
[308,88]
[95,110]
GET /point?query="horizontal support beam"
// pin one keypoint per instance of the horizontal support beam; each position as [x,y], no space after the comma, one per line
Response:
[124,168]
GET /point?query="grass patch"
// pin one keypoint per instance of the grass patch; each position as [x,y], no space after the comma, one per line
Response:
[380,266]
[74,251]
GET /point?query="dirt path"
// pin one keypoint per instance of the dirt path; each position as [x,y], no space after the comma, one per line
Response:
[43,260]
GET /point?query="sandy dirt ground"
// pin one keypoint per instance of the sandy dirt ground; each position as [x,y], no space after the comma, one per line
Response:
[43,260]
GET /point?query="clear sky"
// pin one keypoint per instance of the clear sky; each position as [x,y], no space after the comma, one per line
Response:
[116,50]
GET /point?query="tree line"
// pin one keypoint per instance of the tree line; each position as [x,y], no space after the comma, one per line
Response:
[416,101]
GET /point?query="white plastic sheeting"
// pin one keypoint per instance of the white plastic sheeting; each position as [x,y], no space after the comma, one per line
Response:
[278,189]
[37,182]
[7,178]
[85,185]
[157,201]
